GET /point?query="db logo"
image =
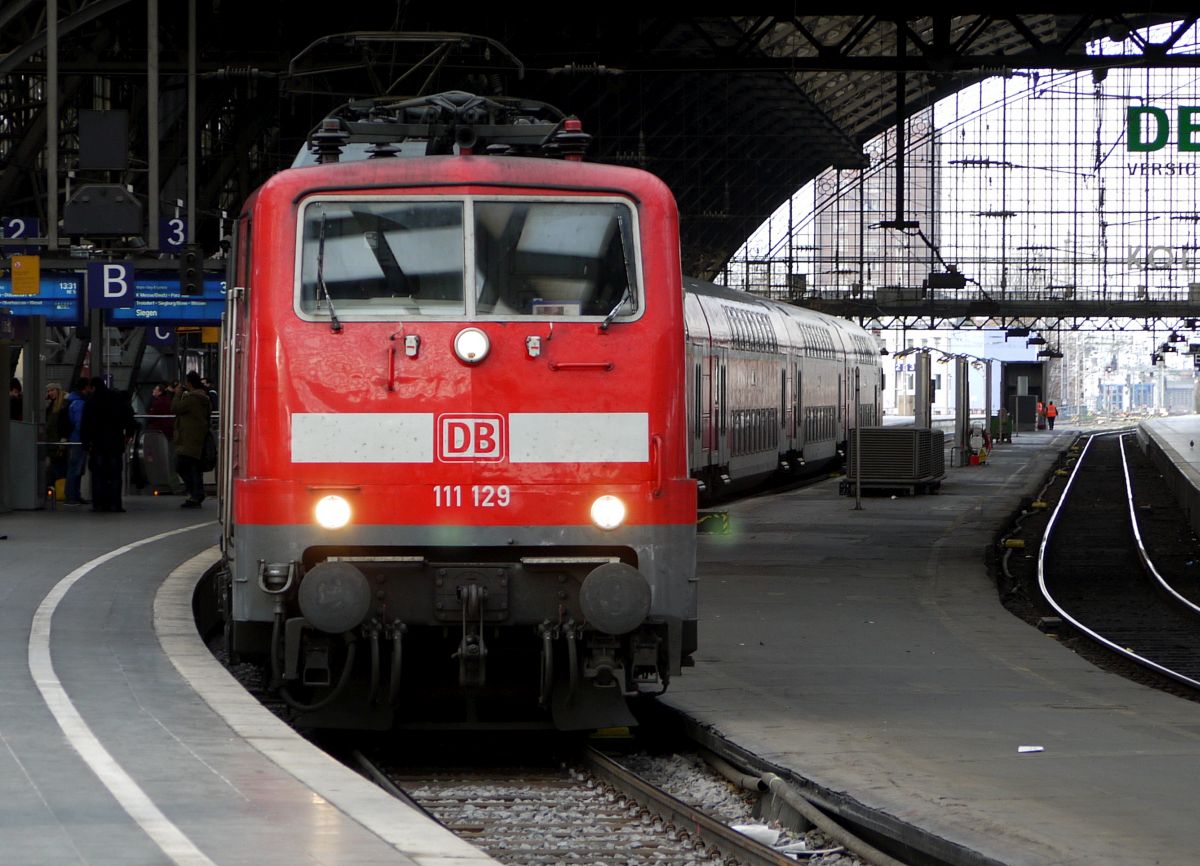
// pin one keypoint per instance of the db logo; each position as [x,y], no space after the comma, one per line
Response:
[479,438]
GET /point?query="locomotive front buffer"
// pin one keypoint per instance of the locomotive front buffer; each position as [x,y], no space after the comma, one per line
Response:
[581,624]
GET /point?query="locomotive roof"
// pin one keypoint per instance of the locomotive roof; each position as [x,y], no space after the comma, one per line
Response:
[443,124]
[494,173]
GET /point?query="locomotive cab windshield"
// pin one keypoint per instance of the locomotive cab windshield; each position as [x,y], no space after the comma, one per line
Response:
[372,259]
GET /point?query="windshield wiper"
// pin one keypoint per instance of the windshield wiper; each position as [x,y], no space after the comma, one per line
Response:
[625,295]
[612,314]
[334,324]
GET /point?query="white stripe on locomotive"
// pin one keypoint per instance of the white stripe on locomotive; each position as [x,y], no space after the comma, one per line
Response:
[410,437]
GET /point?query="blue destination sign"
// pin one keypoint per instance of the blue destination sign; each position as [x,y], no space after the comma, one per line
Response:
[57,299]
[157,299]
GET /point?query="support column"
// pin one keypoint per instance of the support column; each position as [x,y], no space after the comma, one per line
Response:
[962,409]
[5,363]
[52,124]
[191,124]
[987,400]
[923,392]
[153,191]
[98,362]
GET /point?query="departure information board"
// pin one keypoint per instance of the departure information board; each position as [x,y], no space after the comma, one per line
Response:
[157,300]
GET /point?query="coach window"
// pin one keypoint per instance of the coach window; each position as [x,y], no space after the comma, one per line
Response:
[377,259]
[555,260]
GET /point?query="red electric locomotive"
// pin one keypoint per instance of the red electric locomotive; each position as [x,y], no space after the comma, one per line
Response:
[454,484]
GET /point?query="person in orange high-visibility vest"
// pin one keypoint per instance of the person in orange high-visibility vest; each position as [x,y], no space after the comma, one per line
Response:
[1051,414]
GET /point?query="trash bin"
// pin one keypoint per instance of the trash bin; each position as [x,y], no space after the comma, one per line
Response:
[1001,431]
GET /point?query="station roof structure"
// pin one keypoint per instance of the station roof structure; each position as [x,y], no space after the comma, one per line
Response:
[734,112]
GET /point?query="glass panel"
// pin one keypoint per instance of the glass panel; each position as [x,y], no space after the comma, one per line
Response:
[383,258]
[554,259]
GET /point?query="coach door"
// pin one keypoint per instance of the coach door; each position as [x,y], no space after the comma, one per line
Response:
[796,434]
[842,420]
[721,406]
[699,385]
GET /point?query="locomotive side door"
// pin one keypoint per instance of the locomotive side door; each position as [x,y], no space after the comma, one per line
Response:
[231,411]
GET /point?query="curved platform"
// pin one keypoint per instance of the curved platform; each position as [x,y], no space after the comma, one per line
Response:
[864,650]
[867,652]
[122,741]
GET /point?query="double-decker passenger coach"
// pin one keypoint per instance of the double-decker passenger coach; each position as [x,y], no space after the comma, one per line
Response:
[454,481]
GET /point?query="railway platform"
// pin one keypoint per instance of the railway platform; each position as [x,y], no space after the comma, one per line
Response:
[864,650]
[123,742]
[867,652]
[1174,445]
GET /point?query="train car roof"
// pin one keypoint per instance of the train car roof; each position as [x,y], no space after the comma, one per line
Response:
[712,290]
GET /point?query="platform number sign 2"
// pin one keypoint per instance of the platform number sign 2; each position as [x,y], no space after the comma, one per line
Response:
[14,228]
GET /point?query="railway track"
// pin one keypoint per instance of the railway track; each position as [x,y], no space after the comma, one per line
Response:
[593,811]
[1100,568]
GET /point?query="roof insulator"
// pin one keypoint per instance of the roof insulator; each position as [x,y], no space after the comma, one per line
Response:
[571,140]
[329,141]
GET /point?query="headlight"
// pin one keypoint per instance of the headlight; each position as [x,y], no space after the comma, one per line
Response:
[333,512]
[608,512]
[471,345]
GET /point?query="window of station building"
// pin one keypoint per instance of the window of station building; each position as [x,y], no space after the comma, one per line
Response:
[378,259]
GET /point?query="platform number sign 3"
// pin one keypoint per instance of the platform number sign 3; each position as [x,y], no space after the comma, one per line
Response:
[172,234]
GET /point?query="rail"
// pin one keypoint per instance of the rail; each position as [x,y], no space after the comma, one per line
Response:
[1120,650]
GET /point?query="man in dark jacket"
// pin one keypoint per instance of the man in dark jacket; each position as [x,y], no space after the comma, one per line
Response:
[108,425]
[76,454]
[191,407]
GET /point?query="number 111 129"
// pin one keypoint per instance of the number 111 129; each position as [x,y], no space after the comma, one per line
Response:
[477,495]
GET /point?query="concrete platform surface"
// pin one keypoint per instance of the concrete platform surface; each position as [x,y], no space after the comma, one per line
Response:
[868,652]
[122,741]
[865,650]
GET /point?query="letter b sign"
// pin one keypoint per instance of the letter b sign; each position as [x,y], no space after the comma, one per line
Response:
[110,285]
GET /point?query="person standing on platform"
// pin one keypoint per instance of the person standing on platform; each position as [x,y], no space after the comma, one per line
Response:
[211,389]
[164,423]
[160,406]
[58,426]
[192,408]
[76,454]
[1051,414]
[108,426]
